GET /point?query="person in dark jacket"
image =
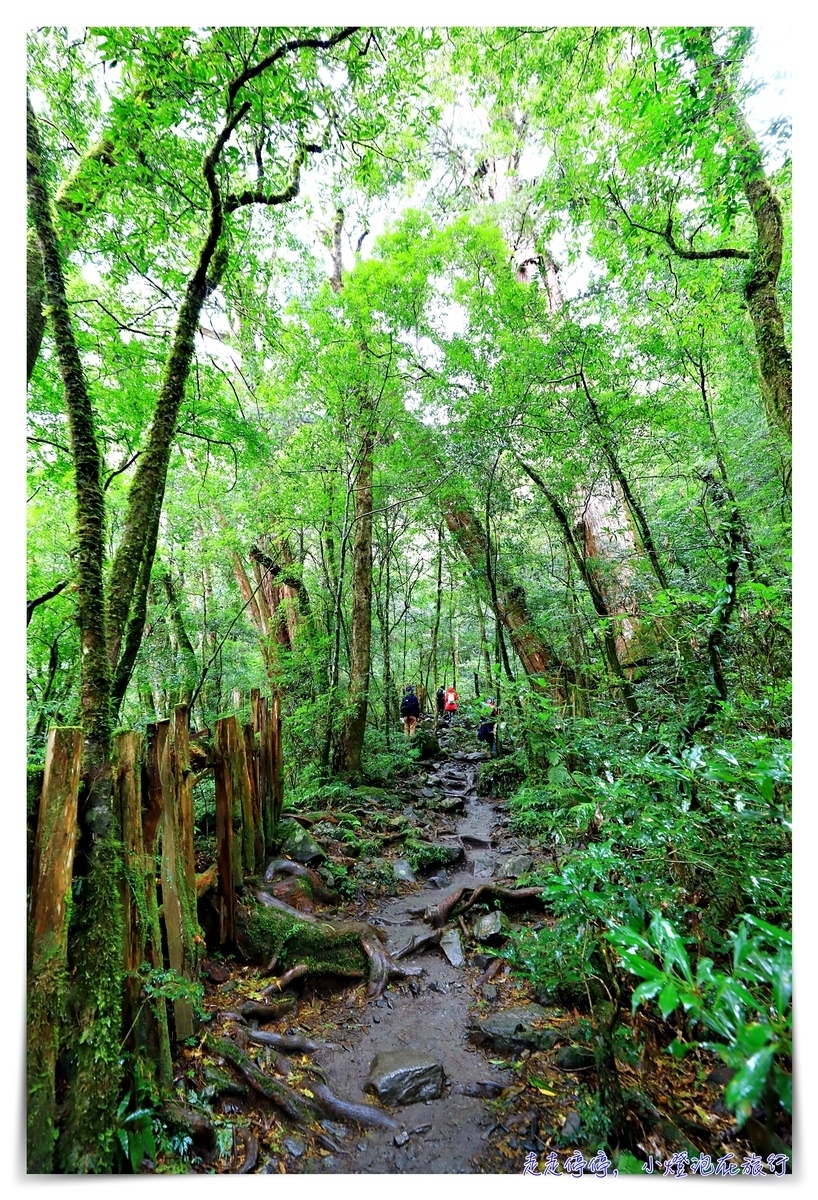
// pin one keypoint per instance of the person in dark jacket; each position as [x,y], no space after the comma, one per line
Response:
[440,700]
[487,730]
[410,711]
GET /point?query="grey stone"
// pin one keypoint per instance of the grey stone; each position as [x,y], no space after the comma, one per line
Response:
[401,1138]
[517,865]
[492,927]
[489,991]
[438,881]
[295,842]
[333,1127]
[293,1146]
[451,946]
[574,1058]
[404,1077]
[483,866]
[571,1126]
[517,1029]
[451,803]
[402,870]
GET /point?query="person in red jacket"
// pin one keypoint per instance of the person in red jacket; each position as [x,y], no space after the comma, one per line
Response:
[450,705]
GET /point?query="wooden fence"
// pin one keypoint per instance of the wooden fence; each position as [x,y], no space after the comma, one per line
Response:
[153,783]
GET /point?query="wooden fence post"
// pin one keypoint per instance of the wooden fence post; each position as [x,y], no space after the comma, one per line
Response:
[175,907]
[48,931]
[252,755]
[277,760]
[261,724]
[127,780]
[232,760]
[183,779]
[152,804]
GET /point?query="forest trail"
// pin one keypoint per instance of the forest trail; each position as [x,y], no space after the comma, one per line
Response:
[429,1014]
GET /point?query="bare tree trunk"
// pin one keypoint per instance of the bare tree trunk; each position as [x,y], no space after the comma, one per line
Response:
[614,651]
[538,660]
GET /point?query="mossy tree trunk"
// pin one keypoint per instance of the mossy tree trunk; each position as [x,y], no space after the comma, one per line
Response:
[746,156]
[96,941]
[538,660]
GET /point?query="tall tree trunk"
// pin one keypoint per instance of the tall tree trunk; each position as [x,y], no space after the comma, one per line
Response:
[774,357]
[81,191]
[348,757]
[181,643]
[87,1144]
[538,660]
[613,652]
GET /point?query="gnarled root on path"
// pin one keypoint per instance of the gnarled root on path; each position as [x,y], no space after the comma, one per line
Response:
[297,1106]
[273,931]
[438,914]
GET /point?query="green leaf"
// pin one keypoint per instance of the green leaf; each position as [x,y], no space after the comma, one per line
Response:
[745,1088]
[668,999]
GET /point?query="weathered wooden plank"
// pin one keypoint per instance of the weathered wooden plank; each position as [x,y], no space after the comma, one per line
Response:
[224,833]
[183,779]
[207,880]
[48,931]
[252,756]
[56,835]
[277,760]
[230,748]
[157,1031]
[265,771]
[174,908]
[127,781]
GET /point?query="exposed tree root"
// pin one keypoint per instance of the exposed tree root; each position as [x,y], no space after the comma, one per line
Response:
[298,1107]
[253,1010]
[193,1123]
[283,1041]
[419,942]
[382,968]
[494,968]
[364,1114]
[438,914]
[250,1154]
[321,946]
[278,985]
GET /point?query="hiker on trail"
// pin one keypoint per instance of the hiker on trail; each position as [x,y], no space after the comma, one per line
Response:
[409,710]
[450,705]
[440,700]
[487,729]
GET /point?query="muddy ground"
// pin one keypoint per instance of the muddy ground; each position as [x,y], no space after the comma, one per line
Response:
[522,1103]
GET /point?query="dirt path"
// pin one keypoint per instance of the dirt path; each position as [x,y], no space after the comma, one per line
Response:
[429,1014]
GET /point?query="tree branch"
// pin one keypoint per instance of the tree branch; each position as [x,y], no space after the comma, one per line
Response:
[55,591]
[667,236]
[287,48]
[234,201]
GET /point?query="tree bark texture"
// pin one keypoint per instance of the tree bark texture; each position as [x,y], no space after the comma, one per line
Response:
[612,650]
[48,938]
[511,607]
[90,506]
[348,758]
